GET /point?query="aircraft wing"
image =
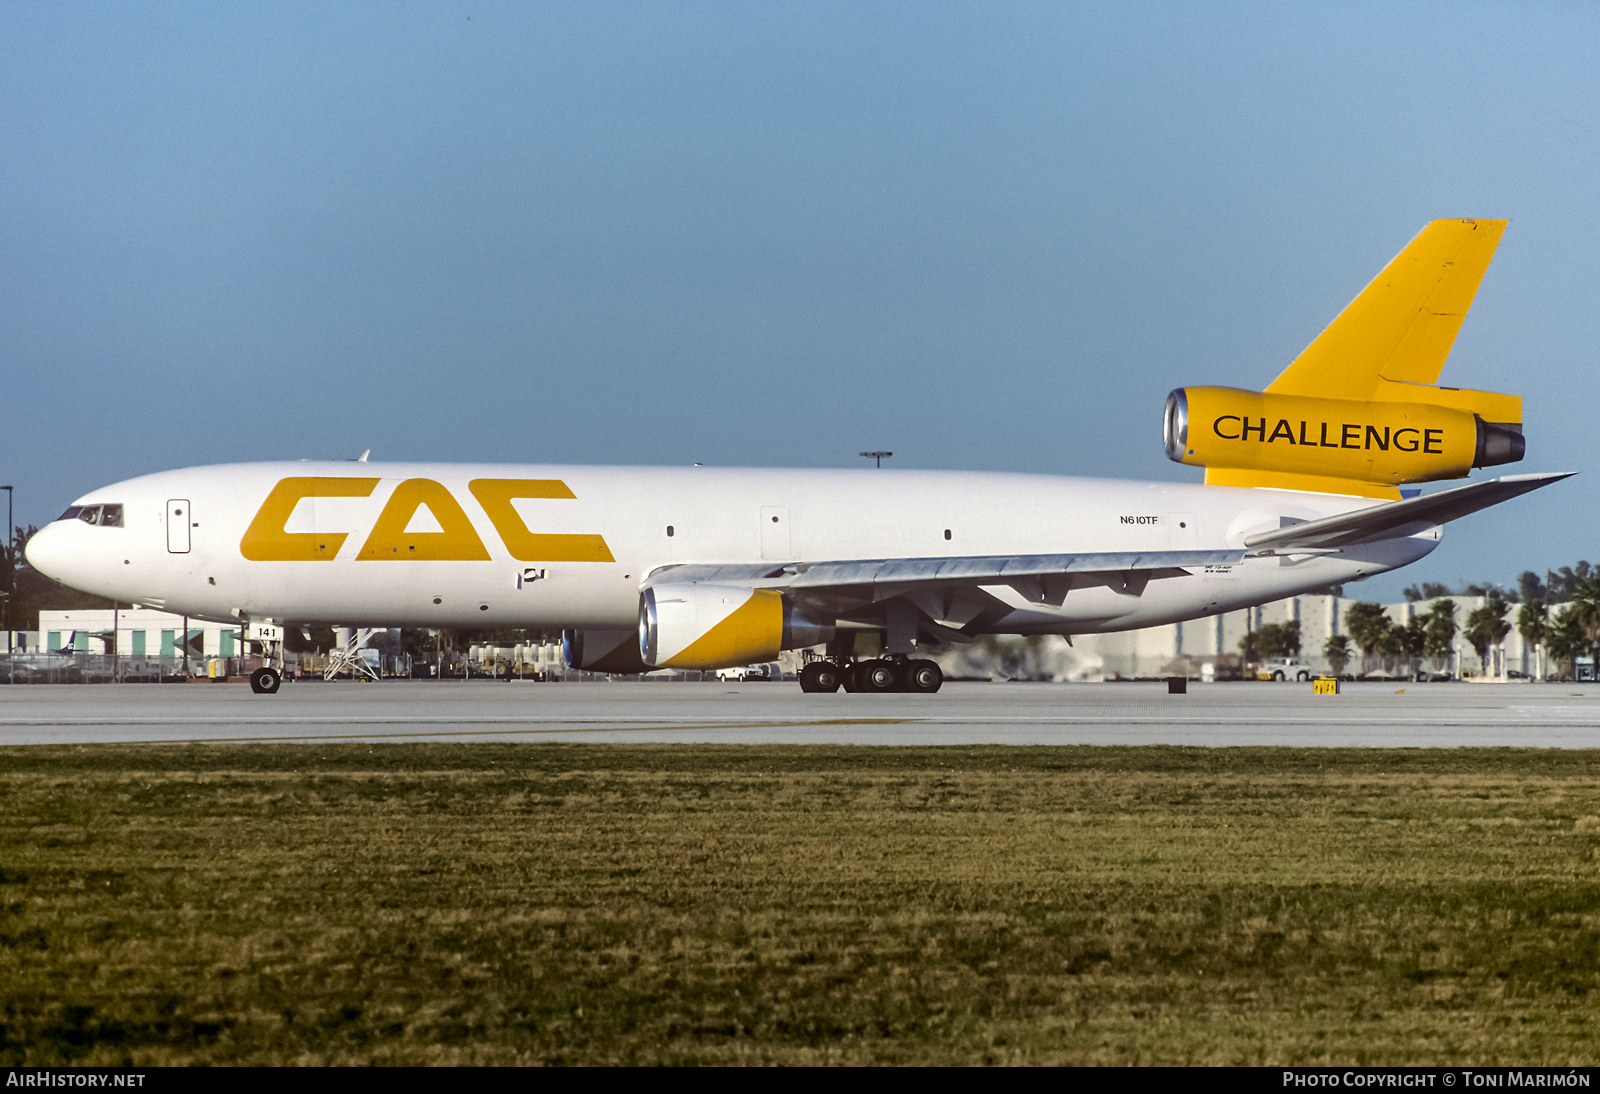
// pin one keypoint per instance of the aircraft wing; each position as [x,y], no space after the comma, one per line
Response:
[956,596]
[1397,518]
[958,570]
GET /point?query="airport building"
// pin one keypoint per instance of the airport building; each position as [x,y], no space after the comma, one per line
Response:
[131,632]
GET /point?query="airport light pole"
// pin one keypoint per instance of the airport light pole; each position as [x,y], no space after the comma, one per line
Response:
[878,456]
[11,578]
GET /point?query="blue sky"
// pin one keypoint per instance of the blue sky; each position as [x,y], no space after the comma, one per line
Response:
[982,236]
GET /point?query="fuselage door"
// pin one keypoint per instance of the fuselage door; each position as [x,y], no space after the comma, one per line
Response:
[178,519]
[775,532]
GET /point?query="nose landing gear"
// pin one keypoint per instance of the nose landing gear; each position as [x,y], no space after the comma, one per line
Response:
[265,681]
[269,635]
[878,675]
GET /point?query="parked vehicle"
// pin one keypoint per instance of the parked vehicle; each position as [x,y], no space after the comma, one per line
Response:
[742,673]
[1284,668]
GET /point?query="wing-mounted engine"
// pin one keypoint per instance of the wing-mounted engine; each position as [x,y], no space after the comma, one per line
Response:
[695,626]
[1359,411]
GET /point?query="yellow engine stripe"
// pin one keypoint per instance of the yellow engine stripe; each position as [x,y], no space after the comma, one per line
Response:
[751,633]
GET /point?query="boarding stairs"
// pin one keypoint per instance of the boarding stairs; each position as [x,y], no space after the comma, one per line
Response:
[348,657]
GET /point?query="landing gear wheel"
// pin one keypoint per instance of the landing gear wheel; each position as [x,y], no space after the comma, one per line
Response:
[923,676]
[820,676]
[850,677]
[265,681]
[878,676]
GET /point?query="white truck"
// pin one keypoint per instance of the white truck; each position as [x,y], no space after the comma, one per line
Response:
[1284,668]
[743,673]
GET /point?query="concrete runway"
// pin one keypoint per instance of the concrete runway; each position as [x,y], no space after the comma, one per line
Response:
[1214,715]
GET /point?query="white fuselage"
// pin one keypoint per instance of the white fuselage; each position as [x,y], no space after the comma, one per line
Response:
[716,516]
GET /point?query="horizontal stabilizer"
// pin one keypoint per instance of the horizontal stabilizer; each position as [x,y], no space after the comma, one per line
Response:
[1398,518]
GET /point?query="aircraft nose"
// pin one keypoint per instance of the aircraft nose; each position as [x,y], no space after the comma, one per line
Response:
[48,552]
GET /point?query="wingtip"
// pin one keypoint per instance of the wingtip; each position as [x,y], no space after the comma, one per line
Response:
[1537,476]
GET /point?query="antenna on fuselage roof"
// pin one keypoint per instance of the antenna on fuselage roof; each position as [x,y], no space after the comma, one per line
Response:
[363,457]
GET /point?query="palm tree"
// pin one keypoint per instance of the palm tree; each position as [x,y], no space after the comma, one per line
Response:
[1337,650]
[1267,642]
[1367,624]
[1533,622]
[1392,644]
[1585,610]
[1565,640]
[1414,637]
[1486,627]
[1441,632]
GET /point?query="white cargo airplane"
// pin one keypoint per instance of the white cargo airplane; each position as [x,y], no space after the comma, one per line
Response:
[705,568]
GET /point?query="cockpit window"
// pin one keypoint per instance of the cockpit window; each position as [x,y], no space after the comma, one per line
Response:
[107,516]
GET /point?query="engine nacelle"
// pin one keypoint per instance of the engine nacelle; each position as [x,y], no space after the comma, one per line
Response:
[719,626]
[602,651]
[1385,441]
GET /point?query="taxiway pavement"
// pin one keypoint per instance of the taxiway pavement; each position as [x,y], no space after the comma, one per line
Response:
[1211,715]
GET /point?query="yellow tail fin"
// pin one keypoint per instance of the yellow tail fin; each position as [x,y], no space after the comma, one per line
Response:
[1402,325]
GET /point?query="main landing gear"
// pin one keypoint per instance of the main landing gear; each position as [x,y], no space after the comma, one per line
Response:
[878,675]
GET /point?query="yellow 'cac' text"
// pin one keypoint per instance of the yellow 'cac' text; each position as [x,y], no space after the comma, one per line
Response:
[267,540]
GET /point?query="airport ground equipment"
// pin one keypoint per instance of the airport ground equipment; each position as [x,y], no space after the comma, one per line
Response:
[348,657]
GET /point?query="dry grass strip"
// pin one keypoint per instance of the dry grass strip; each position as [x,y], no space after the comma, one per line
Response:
[552,903]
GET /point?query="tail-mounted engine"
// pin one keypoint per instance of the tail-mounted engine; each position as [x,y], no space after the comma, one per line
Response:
[1238,435]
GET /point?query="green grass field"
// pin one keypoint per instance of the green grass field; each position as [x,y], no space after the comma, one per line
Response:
[462,904]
